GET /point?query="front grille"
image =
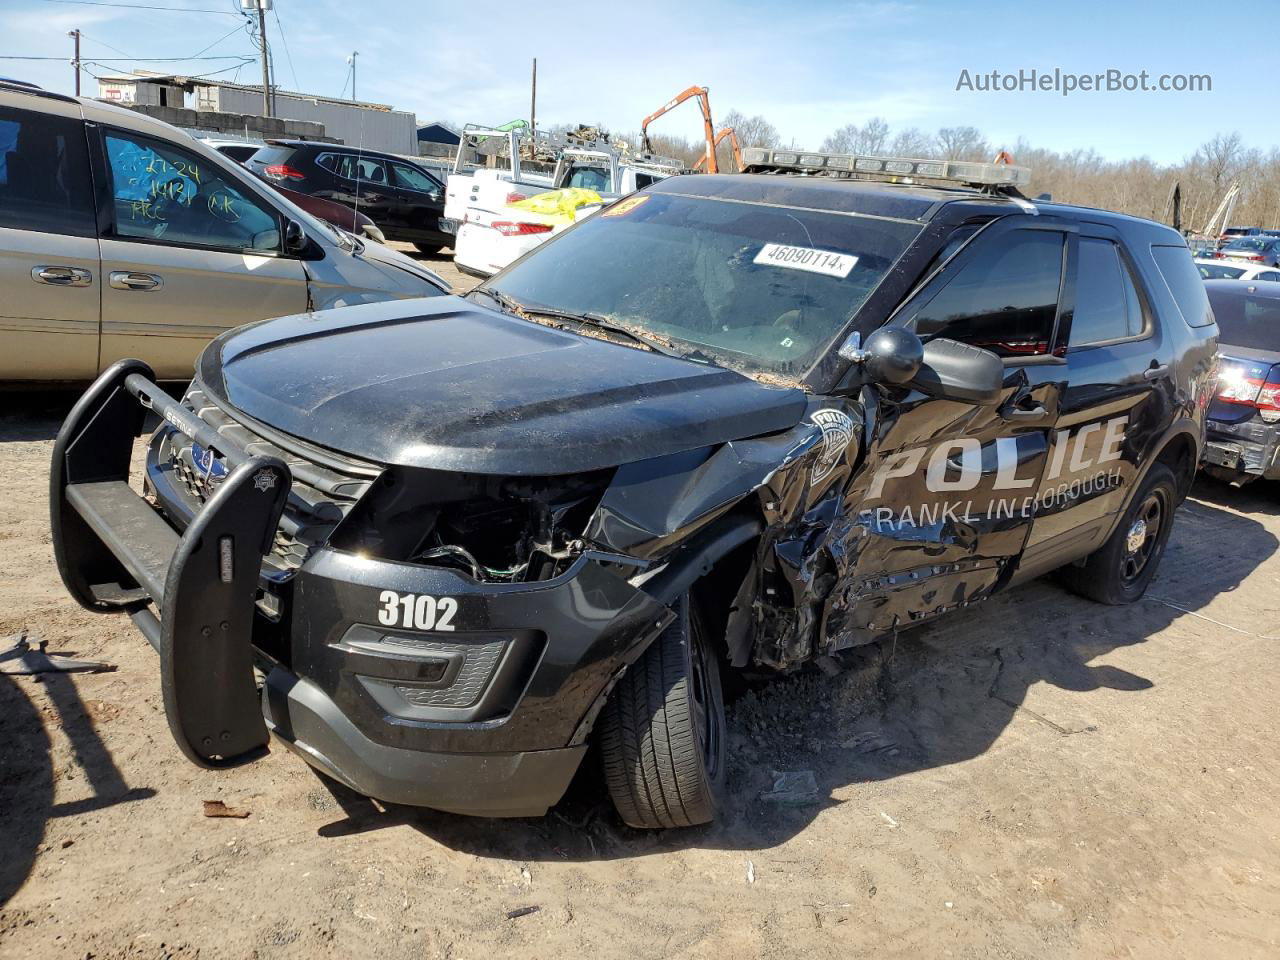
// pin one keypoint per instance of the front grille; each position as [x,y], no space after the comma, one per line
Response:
[322,494]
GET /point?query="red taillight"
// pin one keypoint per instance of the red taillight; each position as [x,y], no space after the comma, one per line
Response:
[1253,391]
[282,171]
[509,228]
[1254,257]
[516,197]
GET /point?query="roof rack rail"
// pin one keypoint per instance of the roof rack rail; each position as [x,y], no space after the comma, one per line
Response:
[999,176]
[18,86]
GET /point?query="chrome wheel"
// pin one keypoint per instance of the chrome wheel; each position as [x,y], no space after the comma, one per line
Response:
[1142,538]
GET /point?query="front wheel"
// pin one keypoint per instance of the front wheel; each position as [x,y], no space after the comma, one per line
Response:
[428,248]
[1119,571]
[662,732]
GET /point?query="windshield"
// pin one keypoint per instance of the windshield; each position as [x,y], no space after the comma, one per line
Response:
[757,286]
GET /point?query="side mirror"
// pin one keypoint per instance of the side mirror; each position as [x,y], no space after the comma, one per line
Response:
[295,238]
[946,369]
[891,355]
[957,371]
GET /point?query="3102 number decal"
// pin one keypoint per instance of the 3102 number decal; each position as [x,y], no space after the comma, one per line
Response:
[416,611]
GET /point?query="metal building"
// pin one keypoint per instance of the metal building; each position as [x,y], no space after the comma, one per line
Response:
[372,125]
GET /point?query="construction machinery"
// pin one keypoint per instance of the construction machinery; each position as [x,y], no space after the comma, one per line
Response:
[704,101]
[733,143]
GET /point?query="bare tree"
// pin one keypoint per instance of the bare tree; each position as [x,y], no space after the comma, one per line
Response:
[868,139]
[754,131]
[962,143]
[911,142]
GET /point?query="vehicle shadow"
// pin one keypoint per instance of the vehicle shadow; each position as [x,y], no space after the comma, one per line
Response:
[26,769]
[937,695]
[32,415]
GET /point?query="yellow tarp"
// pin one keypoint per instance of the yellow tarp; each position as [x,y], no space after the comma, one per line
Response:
[559,205]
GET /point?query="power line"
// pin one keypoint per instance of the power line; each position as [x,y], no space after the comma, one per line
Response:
[229,56]
[194,76]
[285,40]
[144,6]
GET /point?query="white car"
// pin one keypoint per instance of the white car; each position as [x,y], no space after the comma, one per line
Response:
[1229,270]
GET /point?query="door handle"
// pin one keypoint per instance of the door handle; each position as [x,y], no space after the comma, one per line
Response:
[62,276]
[1155,373]
[128,280]
[1011,411]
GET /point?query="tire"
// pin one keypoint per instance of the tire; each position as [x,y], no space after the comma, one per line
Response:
[1119,571]
[662,731]
[428,248]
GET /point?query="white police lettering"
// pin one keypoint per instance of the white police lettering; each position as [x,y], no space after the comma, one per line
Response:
[1076,468]
[806,258]
[416,611]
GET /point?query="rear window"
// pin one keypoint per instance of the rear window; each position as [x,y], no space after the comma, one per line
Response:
[273,154]
[1183,280]
[1219,271]
[1247,320]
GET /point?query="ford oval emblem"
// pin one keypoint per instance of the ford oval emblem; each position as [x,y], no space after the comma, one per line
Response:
[213,468]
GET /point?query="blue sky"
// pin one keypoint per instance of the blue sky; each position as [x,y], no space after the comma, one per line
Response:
[809,68]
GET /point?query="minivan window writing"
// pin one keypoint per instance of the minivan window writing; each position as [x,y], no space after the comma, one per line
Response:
[166,194]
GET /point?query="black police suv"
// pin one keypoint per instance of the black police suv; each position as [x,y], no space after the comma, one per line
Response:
[403,199]
[730,422]
[1244,418]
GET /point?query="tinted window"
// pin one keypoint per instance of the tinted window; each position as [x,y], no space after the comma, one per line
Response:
[1183,279]
[44,174]
[1268,275]
[1004,299]
[273,154]
[750,285]
[645,179]
[167,194]
[239,154]
[413,179]
[352,167]
[1246,320]
[1107,306]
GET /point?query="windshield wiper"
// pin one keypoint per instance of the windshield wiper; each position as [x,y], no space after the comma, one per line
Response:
[586,318]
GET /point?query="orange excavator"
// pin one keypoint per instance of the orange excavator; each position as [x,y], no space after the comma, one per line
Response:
[704,101]
[733,143]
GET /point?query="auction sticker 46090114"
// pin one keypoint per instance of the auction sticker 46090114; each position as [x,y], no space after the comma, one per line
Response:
[806,258]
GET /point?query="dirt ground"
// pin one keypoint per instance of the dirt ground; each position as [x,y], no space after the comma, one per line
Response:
[1036,777]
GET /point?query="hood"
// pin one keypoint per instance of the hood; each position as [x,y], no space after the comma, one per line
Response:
[447,384]
[383,256]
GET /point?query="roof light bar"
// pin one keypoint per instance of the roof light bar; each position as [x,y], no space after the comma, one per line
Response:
[843,164]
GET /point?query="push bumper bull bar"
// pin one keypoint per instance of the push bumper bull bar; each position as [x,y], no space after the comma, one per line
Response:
[115,552]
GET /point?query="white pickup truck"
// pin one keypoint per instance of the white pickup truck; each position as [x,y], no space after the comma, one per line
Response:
[492,234]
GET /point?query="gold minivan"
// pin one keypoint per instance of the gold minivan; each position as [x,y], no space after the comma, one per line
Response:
[122,236]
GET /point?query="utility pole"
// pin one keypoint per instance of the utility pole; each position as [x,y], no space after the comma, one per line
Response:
[262,6]
[75,35]
[533,101]
[352,60]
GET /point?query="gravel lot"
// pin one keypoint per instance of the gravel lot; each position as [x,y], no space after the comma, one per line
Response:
[1036,777]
